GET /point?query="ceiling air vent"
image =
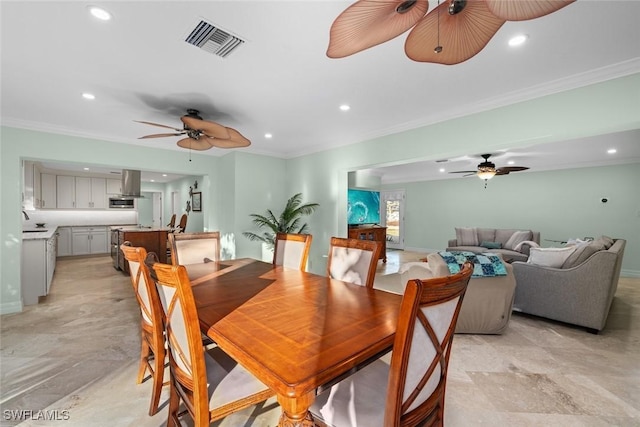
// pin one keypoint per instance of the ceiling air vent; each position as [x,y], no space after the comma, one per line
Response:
[214,40]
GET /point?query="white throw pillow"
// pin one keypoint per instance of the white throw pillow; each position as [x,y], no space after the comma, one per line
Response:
[550,257]
[467,236]
[517,237]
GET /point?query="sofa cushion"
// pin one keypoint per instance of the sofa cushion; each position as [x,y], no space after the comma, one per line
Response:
[608,241]
[550,257]
[491,245]
[503,234]
[467,236]
[516,238]
[486,234]
[582,253]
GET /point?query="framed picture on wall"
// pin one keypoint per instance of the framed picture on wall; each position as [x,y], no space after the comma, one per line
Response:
[196,202]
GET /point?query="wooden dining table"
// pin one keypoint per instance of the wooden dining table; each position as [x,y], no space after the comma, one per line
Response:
[293,330]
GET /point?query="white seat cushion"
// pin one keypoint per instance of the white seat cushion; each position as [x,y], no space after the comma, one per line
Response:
[228,381]
[356,401]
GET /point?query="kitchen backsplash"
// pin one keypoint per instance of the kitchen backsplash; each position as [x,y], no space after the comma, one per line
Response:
[82,217]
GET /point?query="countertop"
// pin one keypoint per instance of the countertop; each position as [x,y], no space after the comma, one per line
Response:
[35,233]
[138,228]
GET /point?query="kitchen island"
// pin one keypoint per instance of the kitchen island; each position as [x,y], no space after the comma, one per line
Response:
[152,239]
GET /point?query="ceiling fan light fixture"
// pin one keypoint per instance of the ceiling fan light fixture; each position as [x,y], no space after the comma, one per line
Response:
[486,174]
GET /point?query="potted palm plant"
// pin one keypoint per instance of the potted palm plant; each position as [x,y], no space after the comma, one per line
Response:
[289,221]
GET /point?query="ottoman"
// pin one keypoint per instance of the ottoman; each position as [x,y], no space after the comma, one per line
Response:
[486,308]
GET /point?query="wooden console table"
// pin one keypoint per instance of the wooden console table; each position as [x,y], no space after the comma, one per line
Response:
[369,232]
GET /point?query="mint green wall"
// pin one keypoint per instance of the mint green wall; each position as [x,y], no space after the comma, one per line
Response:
[195,220]
[241,183]
[600,108]
[260,184]
[18,144]
[560,204]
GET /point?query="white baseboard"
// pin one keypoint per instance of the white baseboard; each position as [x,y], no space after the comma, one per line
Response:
[629,273]
[425,250]
[11,307]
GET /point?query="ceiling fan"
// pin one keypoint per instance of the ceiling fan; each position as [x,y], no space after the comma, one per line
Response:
[452,32]
[201,134]
[487,170]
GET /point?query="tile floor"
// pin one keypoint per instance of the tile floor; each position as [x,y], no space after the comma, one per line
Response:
[75,355]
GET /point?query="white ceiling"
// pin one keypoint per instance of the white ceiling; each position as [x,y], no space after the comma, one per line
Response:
[280,80]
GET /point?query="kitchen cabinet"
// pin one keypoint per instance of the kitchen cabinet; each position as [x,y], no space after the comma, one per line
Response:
[28,190]
[114,187]
[38,263]
[89,240]
[64,241]
[66,192]
[91,193]
[81,192]
[46,191]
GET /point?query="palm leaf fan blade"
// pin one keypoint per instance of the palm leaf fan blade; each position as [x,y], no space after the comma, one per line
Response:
[200,144]
[517,10]
[461,36]
[368,23]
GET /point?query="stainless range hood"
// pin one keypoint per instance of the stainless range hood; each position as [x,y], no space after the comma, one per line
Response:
[130,184]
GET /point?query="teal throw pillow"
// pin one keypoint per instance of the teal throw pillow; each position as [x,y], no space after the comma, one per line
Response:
[491,245]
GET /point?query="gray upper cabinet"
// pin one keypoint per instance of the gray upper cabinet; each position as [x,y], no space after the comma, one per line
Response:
[66,191]
[81,192]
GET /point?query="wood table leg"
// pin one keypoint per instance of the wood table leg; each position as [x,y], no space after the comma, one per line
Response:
[295,411]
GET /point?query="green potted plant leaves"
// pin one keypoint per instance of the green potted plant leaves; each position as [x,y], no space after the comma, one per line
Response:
[289,221]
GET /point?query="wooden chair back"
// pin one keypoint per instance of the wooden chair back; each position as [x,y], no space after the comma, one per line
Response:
[418,372]
[292,250]
[194,248]
[210,389]
[186,354]
[152,354]
[183,223]
[353,260]
[415,379]
[172,221]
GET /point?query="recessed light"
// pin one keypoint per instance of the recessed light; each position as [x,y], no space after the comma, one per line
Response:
[153,180]
[268,135]
[518,40]
[87,95]
[510,162]
[100,13]
[164,174]
[441,169]
[345,107]
[612,151]
[86,169]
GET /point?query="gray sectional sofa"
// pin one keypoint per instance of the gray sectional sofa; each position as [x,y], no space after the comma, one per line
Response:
[579,291]
[512,244]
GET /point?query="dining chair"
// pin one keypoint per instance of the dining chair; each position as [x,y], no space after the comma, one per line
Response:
[353,260]
[194,248]
[292,250]
[172,221]
[152,353]
[182,225]
[416,378]
[210,384]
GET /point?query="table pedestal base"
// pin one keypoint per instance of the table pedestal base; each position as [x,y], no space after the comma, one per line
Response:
[295,412]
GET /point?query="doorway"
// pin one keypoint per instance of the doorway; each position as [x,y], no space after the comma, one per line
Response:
[393,216]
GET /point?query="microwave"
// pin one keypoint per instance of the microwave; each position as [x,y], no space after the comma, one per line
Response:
[121,203]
